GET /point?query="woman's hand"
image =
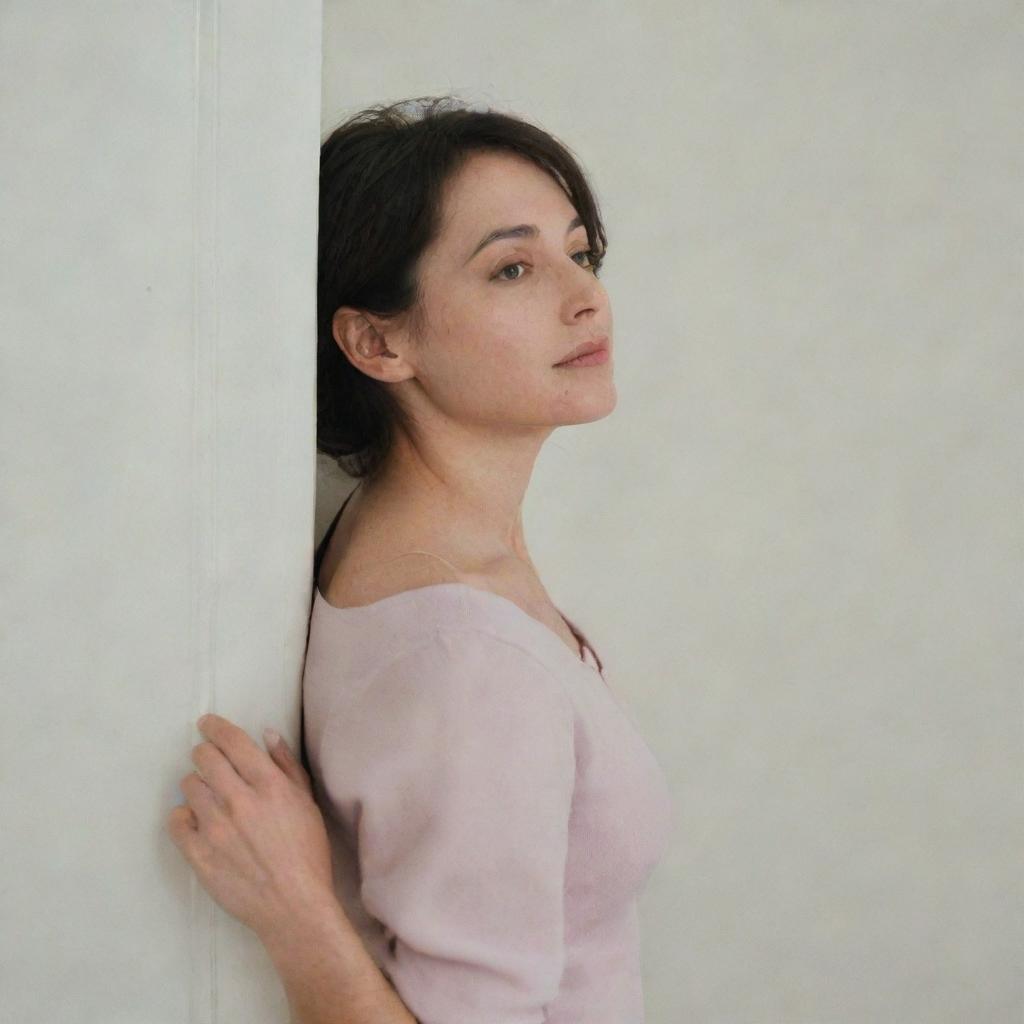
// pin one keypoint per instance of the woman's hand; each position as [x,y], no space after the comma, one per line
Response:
[252,831]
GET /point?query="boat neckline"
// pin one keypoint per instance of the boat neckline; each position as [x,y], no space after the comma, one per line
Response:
[405,595]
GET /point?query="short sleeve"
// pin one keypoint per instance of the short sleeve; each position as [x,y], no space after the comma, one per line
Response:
[453,766]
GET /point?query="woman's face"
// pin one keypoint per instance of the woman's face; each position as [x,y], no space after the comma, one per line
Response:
[497,318]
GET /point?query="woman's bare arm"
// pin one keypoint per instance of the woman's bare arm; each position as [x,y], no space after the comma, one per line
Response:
[328,975]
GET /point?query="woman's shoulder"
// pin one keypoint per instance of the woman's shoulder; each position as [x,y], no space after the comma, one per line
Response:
[374,616]
[403,582]
[361,585]
[444,638]
[365,574]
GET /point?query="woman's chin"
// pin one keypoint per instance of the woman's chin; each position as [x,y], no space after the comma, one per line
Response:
[588,407]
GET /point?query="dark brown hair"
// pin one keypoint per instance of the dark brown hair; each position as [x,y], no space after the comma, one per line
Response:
[382,176]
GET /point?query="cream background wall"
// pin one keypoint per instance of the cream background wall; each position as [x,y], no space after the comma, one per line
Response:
[157,305]
[795,542]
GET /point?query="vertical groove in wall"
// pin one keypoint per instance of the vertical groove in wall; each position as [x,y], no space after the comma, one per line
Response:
[203,496]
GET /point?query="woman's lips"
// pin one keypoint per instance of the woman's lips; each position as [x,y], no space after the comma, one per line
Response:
[593,359]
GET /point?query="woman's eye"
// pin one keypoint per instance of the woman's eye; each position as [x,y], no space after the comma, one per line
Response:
[498,275]
[593,260]
[592,263]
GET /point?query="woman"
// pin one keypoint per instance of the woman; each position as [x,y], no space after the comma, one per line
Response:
[490,811]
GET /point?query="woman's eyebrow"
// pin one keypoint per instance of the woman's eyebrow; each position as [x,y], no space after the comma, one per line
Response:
[519,231]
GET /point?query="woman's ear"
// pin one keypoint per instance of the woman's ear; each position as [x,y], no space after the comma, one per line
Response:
[362,337]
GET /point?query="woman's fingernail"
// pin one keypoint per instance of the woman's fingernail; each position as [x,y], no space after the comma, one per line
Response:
[271,737]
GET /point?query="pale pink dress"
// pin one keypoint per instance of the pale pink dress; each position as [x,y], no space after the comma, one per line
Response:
[493,810]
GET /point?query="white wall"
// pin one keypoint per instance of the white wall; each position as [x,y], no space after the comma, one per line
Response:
[157,316]
[795,542]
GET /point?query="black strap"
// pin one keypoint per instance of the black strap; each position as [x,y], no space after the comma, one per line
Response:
[321,550]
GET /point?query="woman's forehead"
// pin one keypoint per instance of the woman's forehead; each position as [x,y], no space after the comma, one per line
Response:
[501,195]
